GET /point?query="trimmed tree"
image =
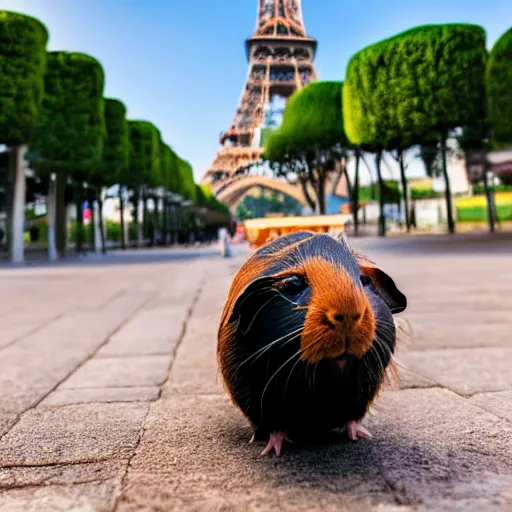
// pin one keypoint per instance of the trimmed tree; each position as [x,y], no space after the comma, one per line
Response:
[312,134]
[144,171]
[171,183]
[22,62]
[499,91]
[427,80]
[116,154]
[71,132]
[286,160]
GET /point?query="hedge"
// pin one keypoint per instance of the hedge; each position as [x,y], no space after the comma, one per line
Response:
[314,116]
[145,158]
[116,155]
[170,171]
[71,130]
[187,187]
[424,81]
[22,63]
[499,90]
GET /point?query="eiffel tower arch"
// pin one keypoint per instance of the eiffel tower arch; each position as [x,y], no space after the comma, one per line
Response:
[280,56]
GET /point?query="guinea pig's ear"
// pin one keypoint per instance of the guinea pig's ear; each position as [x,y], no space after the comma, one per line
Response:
[250,300]
[386,288]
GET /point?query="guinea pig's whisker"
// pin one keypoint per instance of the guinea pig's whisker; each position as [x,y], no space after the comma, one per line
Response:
[274,374]
[263,349]
[288,379]
[284,343]
[251,323]
[258,290]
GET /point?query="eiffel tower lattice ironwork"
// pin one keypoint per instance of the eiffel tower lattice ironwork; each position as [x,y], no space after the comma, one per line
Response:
[280,55]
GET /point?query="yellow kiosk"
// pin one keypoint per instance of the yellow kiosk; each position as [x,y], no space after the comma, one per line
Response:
[260,231]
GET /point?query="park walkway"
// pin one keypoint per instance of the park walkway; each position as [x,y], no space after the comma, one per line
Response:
[110,397]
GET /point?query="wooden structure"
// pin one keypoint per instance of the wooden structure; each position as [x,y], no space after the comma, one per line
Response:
[260,231]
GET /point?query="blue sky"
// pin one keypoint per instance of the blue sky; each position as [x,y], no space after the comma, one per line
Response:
[181,64]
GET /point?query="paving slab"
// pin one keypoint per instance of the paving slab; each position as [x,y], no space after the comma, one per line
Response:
[428,444]
[465,371]
[76,433]
[36,364]
[195,369]
[153,332]
[121,372]
[101,395]
[126,439]
[60,474]
[93,496]
[499,403]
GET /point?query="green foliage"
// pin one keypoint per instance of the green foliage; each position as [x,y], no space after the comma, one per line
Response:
[392,192]
[479,189]
[71,129]
[113,231]
[187,187]
[420,193]
[73,232]
[22,63]
[254,207]
[170,170]
[279,147]
[430,154]
[479,213]
[424,81]
[499,90]
[266,133]
[313,117]
[116,154]
[145,156]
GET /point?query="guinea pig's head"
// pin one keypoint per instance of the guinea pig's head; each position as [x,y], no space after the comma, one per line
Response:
[338,301]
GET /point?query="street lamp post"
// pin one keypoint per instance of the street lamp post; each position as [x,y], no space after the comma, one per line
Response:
[489,192]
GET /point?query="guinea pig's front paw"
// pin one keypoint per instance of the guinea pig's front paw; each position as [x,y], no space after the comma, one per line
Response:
[275,442]
[355,431]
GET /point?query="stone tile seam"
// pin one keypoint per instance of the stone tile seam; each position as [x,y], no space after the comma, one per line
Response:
[57,464]
[102,402]
[130,356]
[48,483]
[110,299]
[33,331]
[173,359]
[90,356]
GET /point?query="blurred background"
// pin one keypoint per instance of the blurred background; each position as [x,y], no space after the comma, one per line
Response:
[125,125]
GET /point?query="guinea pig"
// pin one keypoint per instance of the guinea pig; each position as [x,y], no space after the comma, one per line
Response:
[306,336]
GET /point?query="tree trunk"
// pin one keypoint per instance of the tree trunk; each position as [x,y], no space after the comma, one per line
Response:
[121,213]
[404,191]
[355,195]
[51,203]
[91,200]
[382,217]
[101,224]
[344,172]
[16,206]
[489,192]
[61,217]
[320,193]
[307,195]
[448,192]
[165,223]
[140,219]
[79,227]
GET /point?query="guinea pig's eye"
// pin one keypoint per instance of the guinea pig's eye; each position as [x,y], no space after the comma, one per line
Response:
[365,280]
[294,284]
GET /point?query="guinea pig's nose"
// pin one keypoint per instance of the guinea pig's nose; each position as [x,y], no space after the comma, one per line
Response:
[335,318]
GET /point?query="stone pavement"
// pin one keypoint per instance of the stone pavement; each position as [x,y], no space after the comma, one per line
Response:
[110,397]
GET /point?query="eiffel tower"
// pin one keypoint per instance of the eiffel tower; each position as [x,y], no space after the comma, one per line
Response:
[280,55]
